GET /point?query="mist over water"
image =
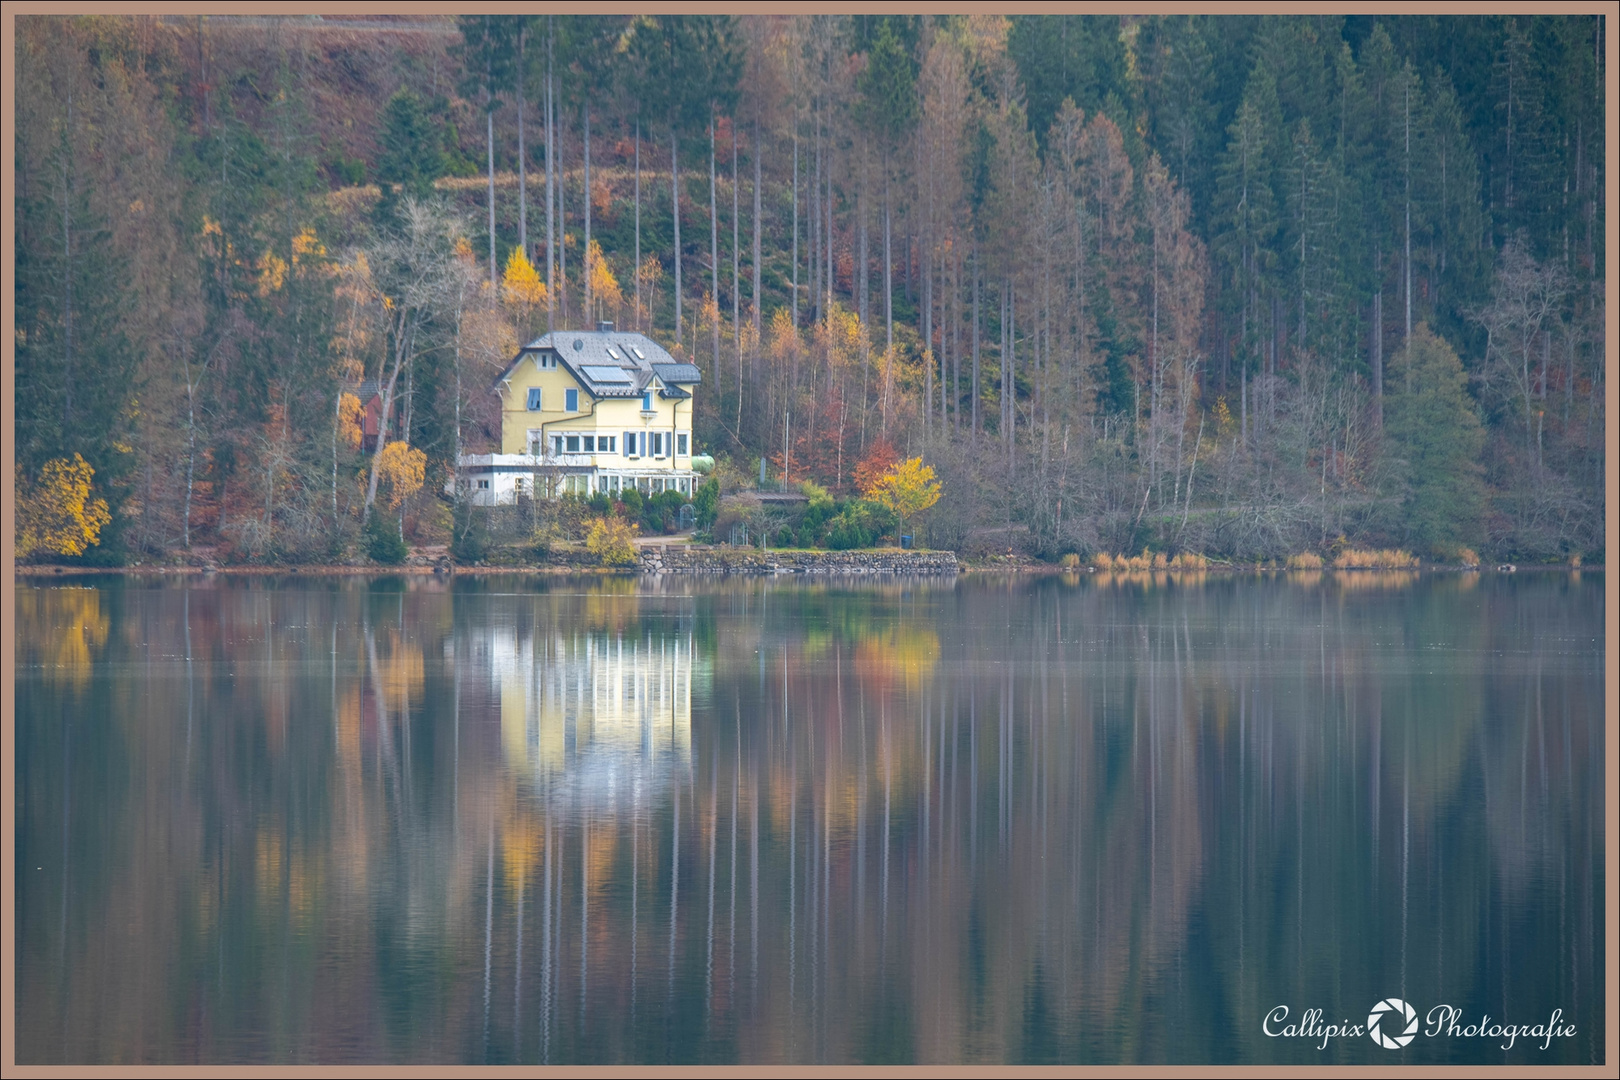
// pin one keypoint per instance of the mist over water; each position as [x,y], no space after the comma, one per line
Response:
[1089,818]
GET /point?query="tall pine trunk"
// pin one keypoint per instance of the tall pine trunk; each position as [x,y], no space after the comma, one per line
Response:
[590,298]
[795,230]
[638,225]
[758,154]
[523,159]
[714,255]
[675,203]
[489,122]
[975,388]
[736,272]
[551,182]
[888,265]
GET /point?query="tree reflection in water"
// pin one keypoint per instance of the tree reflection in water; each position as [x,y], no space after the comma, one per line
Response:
[1110,817]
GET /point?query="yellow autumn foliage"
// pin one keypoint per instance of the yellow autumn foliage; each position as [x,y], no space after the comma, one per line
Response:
[520,283]
[604,286]
[908,488]
[612,541]
[272,273]
[403,468]
[349,413]
[57,515]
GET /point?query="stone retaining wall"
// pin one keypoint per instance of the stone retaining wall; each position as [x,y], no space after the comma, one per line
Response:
[693,559]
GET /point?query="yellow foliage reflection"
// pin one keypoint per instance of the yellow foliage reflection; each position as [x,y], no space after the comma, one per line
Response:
[57,629]
[904,653]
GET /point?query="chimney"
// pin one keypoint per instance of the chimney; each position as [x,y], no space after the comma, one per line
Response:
[604,327]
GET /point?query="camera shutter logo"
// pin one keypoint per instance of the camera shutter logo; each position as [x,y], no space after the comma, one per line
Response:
[1398,1013]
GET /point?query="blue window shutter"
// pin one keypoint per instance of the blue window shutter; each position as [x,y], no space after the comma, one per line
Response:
[534,399]
[571,400]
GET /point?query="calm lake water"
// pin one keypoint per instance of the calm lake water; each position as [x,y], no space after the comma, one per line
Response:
[1068,819]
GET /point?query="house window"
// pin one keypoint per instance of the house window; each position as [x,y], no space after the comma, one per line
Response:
[658,484]
[612,483]
[534,399]
[571,401]
[556,444]
[680,443]
[483,485]
[604,444]
[630,447]
[646,401]
[535,444]
[572,442]
[590,443]
[658,444]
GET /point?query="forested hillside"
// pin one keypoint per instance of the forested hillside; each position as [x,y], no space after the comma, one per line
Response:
[1241,286]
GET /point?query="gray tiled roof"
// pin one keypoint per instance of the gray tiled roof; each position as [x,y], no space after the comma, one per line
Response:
[637,355]
[677,374]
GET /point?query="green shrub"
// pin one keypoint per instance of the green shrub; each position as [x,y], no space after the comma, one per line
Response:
[469,535]
[707,502]
[661,512]
[384,543]
[859,523]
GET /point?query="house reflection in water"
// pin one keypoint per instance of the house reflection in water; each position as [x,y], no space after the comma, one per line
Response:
[592,711]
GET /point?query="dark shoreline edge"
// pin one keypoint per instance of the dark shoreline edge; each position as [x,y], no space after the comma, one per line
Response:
[50,570]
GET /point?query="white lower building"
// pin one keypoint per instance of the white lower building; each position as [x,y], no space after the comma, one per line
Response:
[497,479]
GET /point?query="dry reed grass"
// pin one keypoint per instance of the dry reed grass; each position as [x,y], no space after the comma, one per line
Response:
[1357,559]
[1149,560]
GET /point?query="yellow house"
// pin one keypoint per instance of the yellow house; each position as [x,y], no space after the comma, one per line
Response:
[587,411]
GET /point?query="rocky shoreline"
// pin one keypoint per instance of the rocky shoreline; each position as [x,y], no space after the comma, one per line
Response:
[694,559]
